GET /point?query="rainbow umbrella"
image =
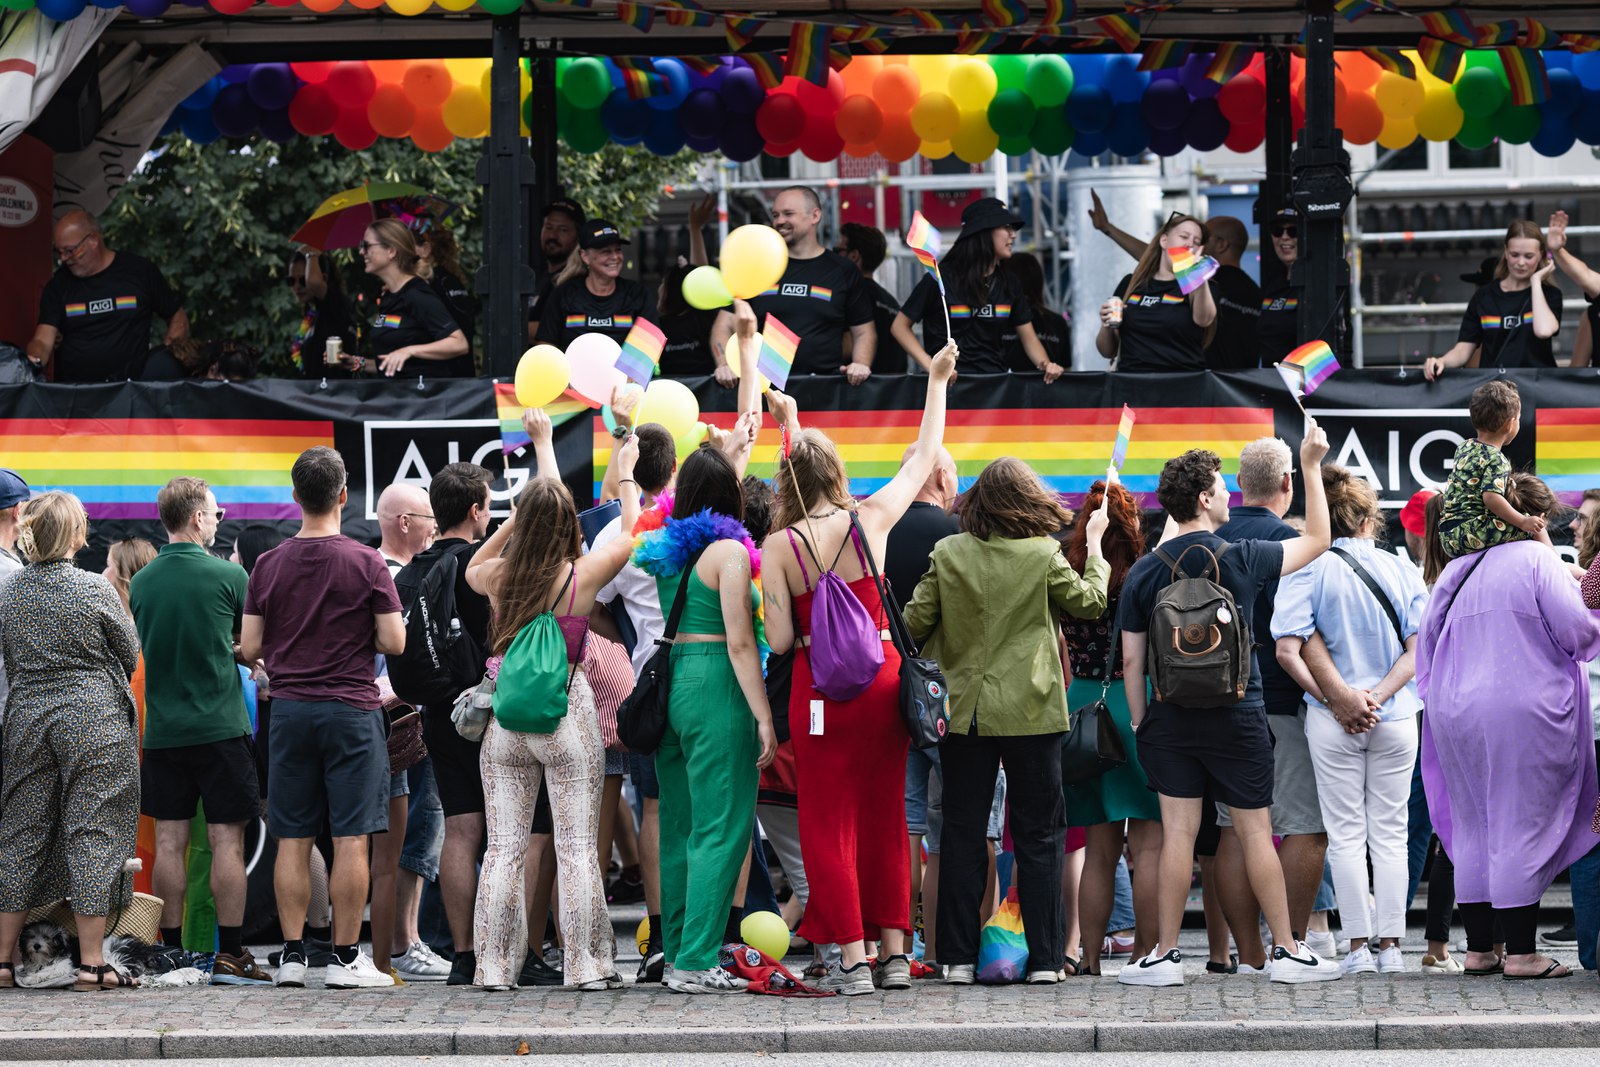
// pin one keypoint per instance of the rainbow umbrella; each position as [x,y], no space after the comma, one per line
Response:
[342,218]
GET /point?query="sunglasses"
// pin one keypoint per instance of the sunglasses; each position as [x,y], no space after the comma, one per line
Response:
[1283,229]
[364,245]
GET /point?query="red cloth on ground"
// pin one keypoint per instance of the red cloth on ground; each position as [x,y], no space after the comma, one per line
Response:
[852,808]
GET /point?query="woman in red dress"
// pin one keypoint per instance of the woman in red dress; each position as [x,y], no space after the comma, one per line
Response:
[849,755]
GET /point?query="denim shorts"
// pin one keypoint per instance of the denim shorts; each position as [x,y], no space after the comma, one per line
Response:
[997,810]
[327,756]
[921,766]
[424,824]
[642,769]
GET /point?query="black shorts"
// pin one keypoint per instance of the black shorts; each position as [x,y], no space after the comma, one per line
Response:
[219,774]
[455,764]
[1184,750]
[330,763]
[543,819]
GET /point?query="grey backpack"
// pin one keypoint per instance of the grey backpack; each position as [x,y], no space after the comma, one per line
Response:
[1199,647]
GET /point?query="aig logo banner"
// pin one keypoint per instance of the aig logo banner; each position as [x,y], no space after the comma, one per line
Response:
[414,451]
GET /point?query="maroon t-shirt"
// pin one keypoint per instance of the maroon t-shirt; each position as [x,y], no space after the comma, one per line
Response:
[316,597]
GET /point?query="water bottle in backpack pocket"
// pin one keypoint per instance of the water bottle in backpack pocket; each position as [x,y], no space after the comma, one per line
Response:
[1199,646]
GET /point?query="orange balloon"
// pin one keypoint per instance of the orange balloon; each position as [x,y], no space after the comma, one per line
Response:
[859,73]
[428,83]
[859,151]
[321,7]
[387,71]
[859,120]
[1362,119]
[428,132]
[391,112]
[1357,71]
[897,141]
[896,89]
[367,4]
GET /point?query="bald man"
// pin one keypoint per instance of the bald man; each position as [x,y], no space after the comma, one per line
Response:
[405,518]
[96,312]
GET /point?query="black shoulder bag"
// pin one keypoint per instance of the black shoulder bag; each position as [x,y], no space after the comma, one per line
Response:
[924,697]
[1092,745]
[1377,590]
[642,717]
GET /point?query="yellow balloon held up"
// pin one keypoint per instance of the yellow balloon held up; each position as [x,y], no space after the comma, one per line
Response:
[753,260]
[641,936]
[736,365]
[767,932]
[705,289]
[542,375]
[670,404]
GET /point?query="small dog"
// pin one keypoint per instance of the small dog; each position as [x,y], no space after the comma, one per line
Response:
[50,958]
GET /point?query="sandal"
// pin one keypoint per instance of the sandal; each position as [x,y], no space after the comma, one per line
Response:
[1548,972]
[8,974]
[1231,967]
[1482,972]
[1072,967]
[101,973]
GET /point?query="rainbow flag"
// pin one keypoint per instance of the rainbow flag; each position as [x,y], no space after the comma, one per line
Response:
[1441,58]
[1228,61]
[1581,42]
[127,303]
[808,52]
[1313,362]
[1193,271]
[508,409]
[1068,447]
[740,30]
[1538,36]
[1164,55]
[117,466]
[639,80]
[1525,72]
[685,13]
[1121,30]
[768,68]
[936,22]
[1566,450]
[641,351]
[1354,9]
[925,244]
[1005,13]
[638,16]
[1058,11]
[1392,60]
[1492,34]
[1119,450]
[778,345]
[1450,24]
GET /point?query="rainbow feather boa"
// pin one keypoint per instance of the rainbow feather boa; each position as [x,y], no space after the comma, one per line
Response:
[667,550]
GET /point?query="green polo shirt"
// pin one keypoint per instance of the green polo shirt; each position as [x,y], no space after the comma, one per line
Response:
[187,606]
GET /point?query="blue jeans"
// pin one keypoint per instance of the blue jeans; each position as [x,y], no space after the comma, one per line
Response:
[424,824]
[1586,902]
[1325,900]
[1419,831]
[1121,898]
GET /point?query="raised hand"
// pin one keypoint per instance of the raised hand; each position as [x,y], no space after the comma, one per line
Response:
[536,421]
[944,364]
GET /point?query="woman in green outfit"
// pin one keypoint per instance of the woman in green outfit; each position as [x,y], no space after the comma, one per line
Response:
[1102,805]
[719,725]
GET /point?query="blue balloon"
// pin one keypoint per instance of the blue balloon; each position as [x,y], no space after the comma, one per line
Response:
[1206,128]
[1124,80]
[1089,145]
[1555,136]
[234,113]
[1587,68]
[148,9]
[1585,119]
[1089,108]
[1167,142]
[741,92]
[665,136]
[1089,67]
[703,144]
[275,126]
[108,3]
[625,120]
[236,73]
[61,10]
[1165,105]
[1565,92]
[677,76]
[702,117]
[198,127]
[1127,135]
[172,123]
[200,99]
[272,86]
[740,141]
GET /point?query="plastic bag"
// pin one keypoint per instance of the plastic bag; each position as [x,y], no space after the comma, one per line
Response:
[1002,946]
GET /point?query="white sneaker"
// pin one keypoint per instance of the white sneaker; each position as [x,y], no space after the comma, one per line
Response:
[359,974]
[848,981]
[1359,962]
[1156,969]
[715,981]
[960,974]
[1046,977]
[1322,943]
[421,964]
[1434,965]
[1245,968]
[291,972]
[1304,966]
[1390,961]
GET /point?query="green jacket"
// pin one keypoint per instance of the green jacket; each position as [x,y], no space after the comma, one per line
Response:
[991,608]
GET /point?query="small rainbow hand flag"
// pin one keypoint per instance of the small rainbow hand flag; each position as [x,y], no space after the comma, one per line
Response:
[1308,367]
[641,351]
[1192,271]
[508,409]
[923,240]
[1119,451]
[778,344]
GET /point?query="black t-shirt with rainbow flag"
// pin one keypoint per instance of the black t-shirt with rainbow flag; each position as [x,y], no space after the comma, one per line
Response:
[1277,332]
[1158,330]
[980,322]
[1502,323]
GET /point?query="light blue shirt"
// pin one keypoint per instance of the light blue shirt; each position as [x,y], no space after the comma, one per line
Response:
[1327,596]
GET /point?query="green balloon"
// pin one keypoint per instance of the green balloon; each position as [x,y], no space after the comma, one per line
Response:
[1480,92]
[1051,135]
[500,7]
[1016,146]
[1011,113]
[16,5]
[705,289]
[584,132]
[1516,125]
[1010,71]
[1476,132]
[564,111]
[1049,81]
[587,84]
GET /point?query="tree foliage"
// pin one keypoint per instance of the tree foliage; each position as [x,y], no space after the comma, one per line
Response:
[217,218]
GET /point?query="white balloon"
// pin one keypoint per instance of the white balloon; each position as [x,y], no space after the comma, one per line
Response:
[594,367]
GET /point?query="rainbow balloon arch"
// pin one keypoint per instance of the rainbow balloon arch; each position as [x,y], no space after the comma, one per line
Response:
[898,106]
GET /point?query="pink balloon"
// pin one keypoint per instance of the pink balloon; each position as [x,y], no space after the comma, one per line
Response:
[594,367]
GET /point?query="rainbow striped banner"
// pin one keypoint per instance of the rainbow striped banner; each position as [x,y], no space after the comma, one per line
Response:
[1067,446]
[1566,450]
[117,466]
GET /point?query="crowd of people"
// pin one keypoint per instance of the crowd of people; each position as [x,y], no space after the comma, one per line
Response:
[1267,679]
[96,314]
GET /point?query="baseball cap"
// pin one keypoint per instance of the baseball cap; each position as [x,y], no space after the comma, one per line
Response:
[13,490]
[566,207]
[600,234]
[1485,272]
[1413,517]
[1286,214]
[988,213]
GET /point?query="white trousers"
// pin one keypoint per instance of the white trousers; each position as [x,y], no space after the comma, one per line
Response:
[1363,787]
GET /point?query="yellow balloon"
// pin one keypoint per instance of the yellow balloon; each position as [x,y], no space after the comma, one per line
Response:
[934,71]
[935,117]
[754,258]
[690,443]
[542,375]
[934,149]
[974,140]
[467,71]
[641,936]
[733,365]
[408,7]
[1441,117]
[1397,132]
[456,5]
[466,112]
[766,931]
[1398,97]
[972,84]
[670,404]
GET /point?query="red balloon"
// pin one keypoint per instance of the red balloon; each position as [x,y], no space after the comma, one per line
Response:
[897,141]
[781,119]
[787,149]
[352,129]
[1246,138]
[352,84]
[1243,100]
[859,120]
[818,101]
[836,86]
[313,111]
[429,132]
[391,112]
[283,3]
[821,142]
[1361,118]
[233,7]
[315,73]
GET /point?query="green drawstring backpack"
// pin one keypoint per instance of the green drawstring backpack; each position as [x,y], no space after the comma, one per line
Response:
[530,694]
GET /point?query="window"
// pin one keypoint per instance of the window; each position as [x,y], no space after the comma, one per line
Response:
[1413,156]
[1462,158]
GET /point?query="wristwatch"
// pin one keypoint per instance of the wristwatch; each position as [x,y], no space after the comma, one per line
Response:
[620,432]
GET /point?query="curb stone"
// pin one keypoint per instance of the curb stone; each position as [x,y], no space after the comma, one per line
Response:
[1540,1031]
[501,1040]
[1342,1036]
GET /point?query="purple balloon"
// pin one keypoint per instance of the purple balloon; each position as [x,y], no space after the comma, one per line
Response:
[677,77]
[1128,135]
[148,9]
[1167,142]
[702,117]
[1193,77]
[741,92]
[275,125]
[1206,128]
[272,86]
[703,144]
[234,113]
[740,141]
[1089,108]
[1165,105]
[236,73]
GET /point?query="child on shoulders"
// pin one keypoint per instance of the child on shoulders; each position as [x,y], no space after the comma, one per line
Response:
[1477,514]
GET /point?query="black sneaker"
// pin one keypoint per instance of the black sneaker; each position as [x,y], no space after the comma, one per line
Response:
[536,971]
[652,968]
[1566,937]
[625,891]
[318,954]
[462,969]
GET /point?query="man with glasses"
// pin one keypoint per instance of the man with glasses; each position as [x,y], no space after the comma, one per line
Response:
[99,306]
[188,605]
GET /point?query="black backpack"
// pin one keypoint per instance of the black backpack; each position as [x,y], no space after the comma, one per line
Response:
[1199,647]
[441,658]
